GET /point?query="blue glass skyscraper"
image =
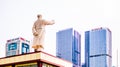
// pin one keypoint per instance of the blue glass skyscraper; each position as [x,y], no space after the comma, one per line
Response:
[68,46]
[98,48]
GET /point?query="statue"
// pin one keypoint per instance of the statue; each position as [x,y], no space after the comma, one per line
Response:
[38,31]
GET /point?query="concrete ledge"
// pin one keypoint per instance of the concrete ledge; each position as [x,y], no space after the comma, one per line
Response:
[42,56]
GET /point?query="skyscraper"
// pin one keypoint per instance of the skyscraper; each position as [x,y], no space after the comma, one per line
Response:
[68,44]
[98,48]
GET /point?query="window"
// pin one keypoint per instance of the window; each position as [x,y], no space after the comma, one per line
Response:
[27,65]
[7,66]
[25,48]
[12,46]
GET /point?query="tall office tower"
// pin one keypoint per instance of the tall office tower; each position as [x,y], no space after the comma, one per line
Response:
[98,48]
[68,46]
[17,46]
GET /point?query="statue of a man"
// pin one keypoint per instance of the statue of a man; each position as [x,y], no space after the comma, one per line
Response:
[38,31]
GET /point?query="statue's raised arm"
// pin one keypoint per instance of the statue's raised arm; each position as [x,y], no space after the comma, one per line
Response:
[38,31]
[49,22]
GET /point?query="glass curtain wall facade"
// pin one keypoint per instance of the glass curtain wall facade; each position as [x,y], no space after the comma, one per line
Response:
[68,46]
[98,48]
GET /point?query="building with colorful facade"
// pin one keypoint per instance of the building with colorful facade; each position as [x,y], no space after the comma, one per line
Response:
[17,46]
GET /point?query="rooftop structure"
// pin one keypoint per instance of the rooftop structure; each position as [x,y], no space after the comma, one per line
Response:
[34,59]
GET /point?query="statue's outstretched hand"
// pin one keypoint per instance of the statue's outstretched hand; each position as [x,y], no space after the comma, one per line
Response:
[53,21]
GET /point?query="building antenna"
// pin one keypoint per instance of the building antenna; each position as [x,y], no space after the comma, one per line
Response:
[117,57]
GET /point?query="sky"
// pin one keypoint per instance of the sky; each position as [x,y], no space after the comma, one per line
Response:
[17,18]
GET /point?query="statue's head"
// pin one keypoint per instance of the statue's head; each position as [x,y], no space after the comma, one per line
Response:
[39,16]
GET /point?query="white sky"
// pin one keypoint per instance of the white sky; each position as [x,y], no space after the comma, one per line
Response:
[17,18]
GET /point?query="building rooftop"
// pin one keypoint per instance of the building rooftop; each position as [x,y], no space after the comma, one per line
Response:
[34,56]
